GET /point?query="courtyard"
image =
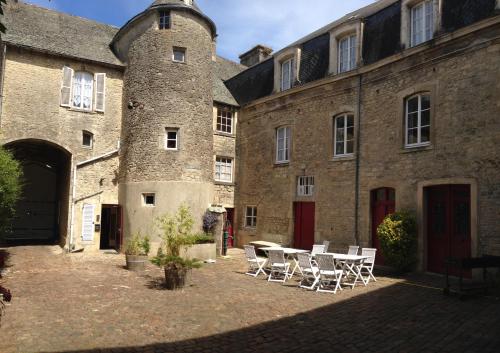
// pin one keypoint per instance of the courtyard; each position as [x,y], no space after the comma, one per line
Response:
[90,303]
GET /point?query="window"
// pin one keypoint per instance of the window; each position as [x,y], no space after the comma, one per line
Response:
[87,139]
[418,120]
[251,217]
[283,145]
[224,169]
[164,20]
[179,55]
[149,200]
[224,120]
[171,139]
[305,186]
[347,53]
[422,22]
[287,74]
[83,86]
[344,135]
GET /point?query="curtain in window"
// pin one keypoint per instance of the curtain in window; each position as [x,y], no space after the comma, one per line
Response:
[83,85]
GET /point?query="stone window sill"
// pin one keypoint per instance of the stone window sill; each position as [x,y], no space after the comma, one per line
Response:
[222,183]
[224,134]
[281,164]
[350,157]
[417,149]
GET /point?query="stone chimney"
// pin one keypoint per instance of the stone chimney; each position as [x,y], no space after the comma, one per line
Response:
[255,55]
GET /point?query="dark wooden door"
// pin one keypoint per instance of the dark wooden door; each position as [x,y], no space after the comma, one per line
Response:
[304,225]
[383,204]
[448,225]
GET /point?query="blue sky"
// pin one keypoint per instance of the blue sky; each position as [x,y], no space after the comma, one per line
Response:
[241,24]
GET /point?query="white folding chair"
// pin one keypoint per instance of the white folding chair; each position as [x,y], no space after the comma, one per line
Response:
[353,250]
[255,264]
[329,275]
[280,269]
[368,264]
[317,249]
[310,273]
[326,243]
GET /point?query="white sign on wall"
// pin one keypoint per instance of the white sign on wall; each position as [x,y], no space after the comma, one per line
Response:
[88,222]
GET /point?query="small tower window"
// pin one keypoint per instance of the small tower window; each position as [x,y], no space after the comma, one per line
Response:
[87,139]
[149,200]
[164,20]
[171,139]
[179,55]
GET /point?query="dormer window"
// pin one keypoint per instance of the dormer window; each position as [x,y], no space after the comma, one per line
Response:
[287,74]
[422,22]
[164,20]
[347,53]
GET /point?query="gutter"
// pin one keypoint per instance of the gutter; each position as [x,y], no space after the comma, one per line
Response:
[358,158]
[73,193]
[2,78]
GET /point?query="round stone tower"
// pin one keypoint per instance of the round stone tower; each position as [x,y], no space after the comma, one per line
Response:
[166,156]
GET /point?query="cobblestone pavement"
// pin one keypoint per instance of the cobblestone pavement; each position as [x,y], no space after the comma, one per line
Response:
[90,303]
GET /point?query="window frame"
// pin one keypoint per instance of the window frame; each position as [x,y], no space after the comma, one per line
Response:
[424,21]
[219,125]
[91,135]
[419,126]
[306,188]
[162,25]
[167,139]
[222,162]
[291,63]
[82,89]
[252,217]
[344,116]
[145,196]
[351,49]
[286,144]
[179,50]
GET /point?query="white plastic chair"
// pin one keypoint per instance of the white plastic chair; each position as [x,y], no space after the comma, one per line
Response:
[317,249]
[280,269]
[255,264]
[310,273]
[353,250]
[326,243]
[329,276]
[368,264]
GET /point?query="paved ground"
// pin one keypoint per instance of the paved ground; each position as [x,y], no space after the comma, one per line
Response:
[69,303]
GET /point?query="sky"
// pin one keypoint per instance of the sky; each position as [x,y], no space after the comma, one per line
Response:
[241,24]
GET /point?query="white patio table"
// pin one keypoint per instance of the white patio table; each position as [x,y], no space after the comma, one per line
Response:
[289,253]
[351,265]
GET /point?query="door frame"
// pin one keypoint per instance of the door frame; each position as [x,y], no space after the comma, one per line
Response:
[422,217]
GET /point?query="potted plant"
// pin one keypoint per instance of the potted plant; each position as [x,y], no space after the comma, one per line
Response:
[136,252]
[176,239]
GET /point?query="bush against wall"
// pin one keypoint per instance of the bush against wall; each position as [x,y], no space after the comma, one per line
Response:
[10,187]
[398,240]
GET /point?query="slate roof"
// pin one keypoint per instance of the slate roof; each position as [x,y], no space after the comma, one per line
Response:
[49,31]
[52,32]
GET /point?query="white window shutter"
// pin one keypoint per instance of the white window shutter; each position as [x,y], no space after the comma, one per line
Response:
[100,92]
[66,86]
[88,222]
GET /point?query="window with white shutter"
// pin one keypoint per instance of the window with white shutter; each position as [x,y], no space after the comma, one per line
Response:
[100,92]
[67,84]
[88,222]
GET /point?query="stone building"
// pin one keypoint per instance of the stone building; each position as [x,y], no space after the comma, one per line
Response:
[392,107]
[115,126]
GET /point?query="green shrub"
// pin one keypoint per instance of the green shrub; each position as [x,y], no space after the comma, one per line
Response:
[138,245]
[10,187]
[398,240]
[203,238]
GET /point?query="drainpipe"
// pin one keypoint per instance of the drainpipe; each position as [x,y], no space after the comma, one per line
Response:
[2,78]
[73,188]
[358,156]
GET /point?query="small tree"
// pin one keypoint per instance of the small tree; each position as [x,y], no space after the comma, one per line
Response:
[10,187]
[398,240]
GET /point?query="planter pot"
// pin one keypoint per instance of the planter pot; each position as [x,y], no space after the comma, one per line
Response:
[136,262]
[176,278]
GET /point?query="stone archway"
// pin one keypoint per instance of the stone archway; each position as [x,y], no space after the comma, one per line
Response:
[42,212]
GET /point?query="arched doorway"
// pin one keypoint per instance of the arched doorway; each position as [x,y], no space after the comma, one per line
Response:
[42,212]
[383,203]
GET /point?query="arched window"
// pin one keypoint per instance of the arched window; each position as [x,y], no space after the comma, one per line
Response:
[83,86]
[418,120]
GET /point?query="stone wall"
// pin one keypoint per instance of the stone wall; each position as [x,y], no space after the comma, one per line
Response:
[462,76]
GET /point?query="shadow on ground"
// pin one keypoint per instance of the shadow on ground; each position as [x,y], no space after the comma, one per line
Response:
[396,318]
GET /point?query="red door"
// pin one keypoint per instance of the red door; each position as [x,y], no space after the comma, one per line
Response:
[304,225]
[229,227]
[383,204]
[448,225]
